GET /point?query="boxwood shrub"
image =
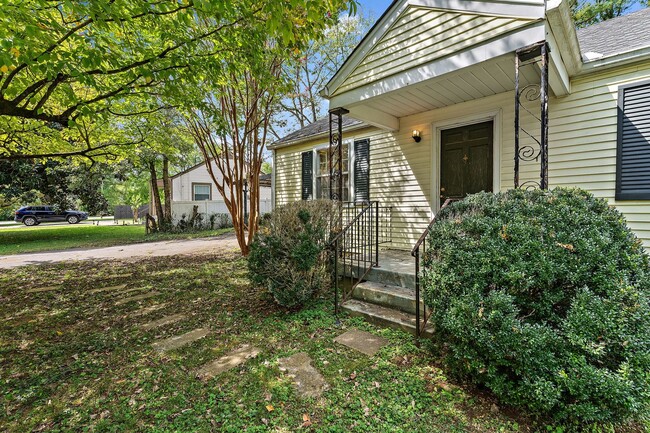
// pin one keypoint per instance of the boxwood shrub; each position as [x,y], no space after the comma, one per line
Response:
[288,254]
[543,297]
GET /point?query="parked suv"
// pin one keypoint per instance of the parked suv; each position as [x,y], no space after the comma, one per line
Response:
[34,215]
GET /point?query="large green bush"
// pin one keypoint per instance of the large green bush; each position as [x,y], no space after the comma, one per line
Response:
[543,297]
[288,255]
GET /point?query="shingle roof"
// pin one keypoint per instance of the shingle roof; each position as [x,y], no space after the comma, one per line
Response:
[615,36]
[319,127]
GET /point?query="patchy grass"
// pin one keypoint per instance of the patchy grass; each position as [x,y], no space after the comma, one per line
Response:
[72,360]
[53,238]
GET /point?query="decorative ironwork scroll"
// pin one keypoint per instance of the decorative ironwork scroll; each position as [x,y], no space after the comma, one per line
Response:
[335,161]
[530,145]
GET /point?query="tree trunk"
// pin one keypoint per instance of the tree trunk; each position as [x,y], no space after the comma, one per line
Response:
[155,192]
[167,190]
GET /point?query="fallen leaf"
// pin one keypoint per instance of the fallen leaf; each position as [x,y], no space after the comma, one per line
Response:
[306,420]
[269,407]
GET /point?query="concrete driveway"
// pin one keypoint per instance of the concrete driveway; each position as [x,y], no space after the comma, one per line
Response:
[227,242]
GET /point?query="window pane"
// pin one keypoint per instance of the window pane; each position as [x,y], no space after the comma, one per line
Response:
[201,192]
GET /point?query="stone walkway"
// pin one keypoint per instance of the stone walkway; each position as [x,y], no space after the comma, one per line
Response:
[179,341]
[307,381]
[227,362]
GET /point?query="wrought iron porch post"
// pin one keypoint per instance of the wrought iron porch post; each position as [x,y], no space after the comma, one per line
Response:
[531,56]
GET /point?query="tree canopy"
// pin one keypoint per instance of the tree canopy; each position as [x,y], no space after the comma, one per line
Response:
[71,72]
[588,12]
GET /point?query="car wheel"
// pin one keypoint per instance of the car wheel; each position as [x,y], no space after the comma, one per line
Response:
[29,221]
[73,219]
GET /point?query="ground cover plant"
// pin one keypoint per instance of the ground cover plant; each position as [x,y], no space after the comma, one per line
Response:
[52,238]
[76,360]
[543,298]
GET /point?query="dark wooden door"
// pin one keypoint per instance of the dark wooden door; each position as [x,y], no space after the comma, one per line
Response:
[465,160]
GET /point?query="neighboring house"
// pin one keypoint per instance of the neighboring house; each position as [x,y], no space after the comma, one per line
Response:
[444,70]
[194,187]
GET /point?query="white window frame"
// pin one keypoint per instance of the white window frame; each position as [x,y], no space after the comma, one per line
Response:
[195,184]
[316,169]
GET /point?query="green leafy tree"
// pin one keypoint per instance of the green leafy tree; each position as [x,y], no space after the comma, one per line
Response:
[69,66]
[588,12]
[309,71]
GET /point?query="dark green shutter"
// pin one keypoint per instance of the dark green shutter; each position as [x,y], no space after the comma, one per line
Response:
[633,150]
[362,170]
[307,175]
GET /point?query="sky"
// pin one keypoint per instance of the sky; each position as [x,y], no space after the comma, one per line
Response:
[374,8]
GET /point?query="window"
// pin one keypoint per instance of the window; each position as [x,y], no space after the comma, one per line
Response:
[201,191]
[323,173]
[633,147]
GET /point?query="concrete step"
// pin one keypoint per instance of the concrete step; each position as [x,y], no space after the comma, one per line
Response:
[399,298]
[384,275]
[383,316]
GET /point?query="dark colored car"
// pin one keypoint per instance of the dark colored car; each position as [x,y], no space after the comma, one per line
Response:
[34,215]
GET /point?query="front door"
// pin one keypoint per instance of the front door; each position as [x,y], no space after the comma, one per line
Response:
[465,160]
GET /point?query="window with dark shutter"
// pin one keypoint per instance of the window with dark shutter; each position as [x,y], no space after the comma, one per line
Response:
[633,152]
[362,170]
[307,175]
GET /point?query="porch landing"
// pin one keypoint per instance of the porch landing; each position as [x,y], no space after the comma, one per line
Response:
[396,268]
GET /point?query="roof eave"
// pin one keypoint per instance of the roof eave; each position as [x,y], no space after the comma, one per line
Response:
[558,17]
[621,59]
[325,134]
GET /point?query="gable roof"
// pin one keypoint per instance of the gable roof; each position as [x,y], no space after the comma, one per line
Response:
[321,127]
[615,36]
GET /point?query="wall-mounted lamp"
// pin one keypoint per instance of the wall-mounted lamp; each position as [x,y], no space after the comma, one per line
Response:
[416,136]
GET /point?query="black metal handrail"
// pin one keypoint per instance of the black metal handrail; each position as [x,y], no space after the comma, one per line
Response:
[356,245]
[415,252]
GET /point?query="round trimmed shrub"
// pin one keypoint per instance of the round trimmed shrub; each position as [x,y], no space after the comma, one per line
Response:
[544,298]
[288,255]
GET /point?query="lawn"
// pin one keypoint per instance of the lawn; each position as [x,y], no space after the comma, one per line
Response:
[52,238]
[76,360]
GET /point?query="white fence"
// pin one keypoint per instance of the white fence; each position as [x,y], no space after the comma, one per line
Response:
[209,207]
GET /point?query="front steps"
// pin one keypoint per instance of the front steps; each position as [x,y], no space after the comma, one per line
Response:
[387,296]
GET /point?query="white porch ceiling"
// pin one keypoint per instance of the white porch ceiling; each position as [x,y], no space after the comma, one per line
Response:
[478,81]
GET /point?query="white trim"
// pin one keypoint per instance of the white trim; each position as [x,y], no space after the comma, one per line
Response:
[615,60]
[375,117]
[495,116]
[350,142]
[532,9]
[273,190]
[501,46]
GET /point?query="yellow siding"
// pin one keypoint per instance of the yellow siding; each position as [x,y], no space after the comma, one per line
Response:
[582,153]
[422,35]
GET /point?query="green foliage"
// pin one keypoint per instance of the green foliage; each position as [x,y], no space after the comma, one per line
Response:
[60,183]
[72,72]
[588,12]
[288,254]
[543,297]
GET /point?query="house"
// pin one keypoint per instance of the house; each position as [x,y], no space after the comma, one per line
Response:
[195,187]
[443,98]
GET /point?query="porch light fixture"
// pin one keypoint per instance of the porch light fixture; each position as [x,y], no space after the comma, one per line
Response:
[416,136]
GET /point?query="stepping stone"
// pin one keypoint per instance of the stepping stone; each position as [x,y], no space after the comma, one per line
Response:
[162,322]
[149,309]
[180,340]
[136,298]
[43,289]
[363,341]
[231,360]
[106,289]
[133,290]
[307,381]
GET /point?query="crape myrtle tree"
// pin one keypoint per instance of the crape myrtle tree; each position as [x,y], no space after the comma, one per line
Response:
[240,96]
[68,65]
